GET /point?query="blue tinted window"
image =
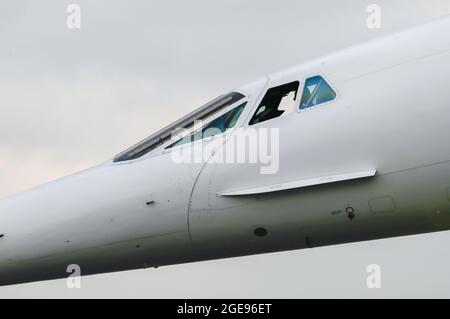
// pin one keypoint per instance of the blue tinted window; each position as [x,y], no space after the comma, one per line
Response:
[316,91]
[186,122]
[217,126]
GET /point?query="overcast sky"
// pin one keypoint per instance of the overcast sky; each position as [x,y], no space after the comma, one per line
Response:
[71,98]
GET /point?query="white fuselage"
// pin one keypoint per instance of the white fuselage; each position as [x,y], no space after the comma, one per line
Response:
[391,116]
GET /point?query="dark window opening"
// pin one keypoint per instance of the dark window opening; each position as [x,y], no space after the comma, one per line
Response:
[274,102]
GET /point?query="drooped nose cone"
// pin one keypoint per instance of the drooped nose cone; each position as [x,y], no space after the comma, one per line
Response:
[107,218]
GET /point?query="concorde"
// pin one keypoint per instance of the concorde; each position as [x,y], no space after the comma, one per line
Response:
[347,147]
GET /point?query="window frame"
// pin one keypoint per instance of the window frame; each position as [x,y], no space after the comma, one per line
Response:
[297,109]
[160,149]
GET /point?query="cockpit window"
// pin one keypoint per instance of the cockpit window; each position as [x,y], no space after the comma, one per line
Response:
[217,126]
[277,101]
[316,91]
[201,114]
